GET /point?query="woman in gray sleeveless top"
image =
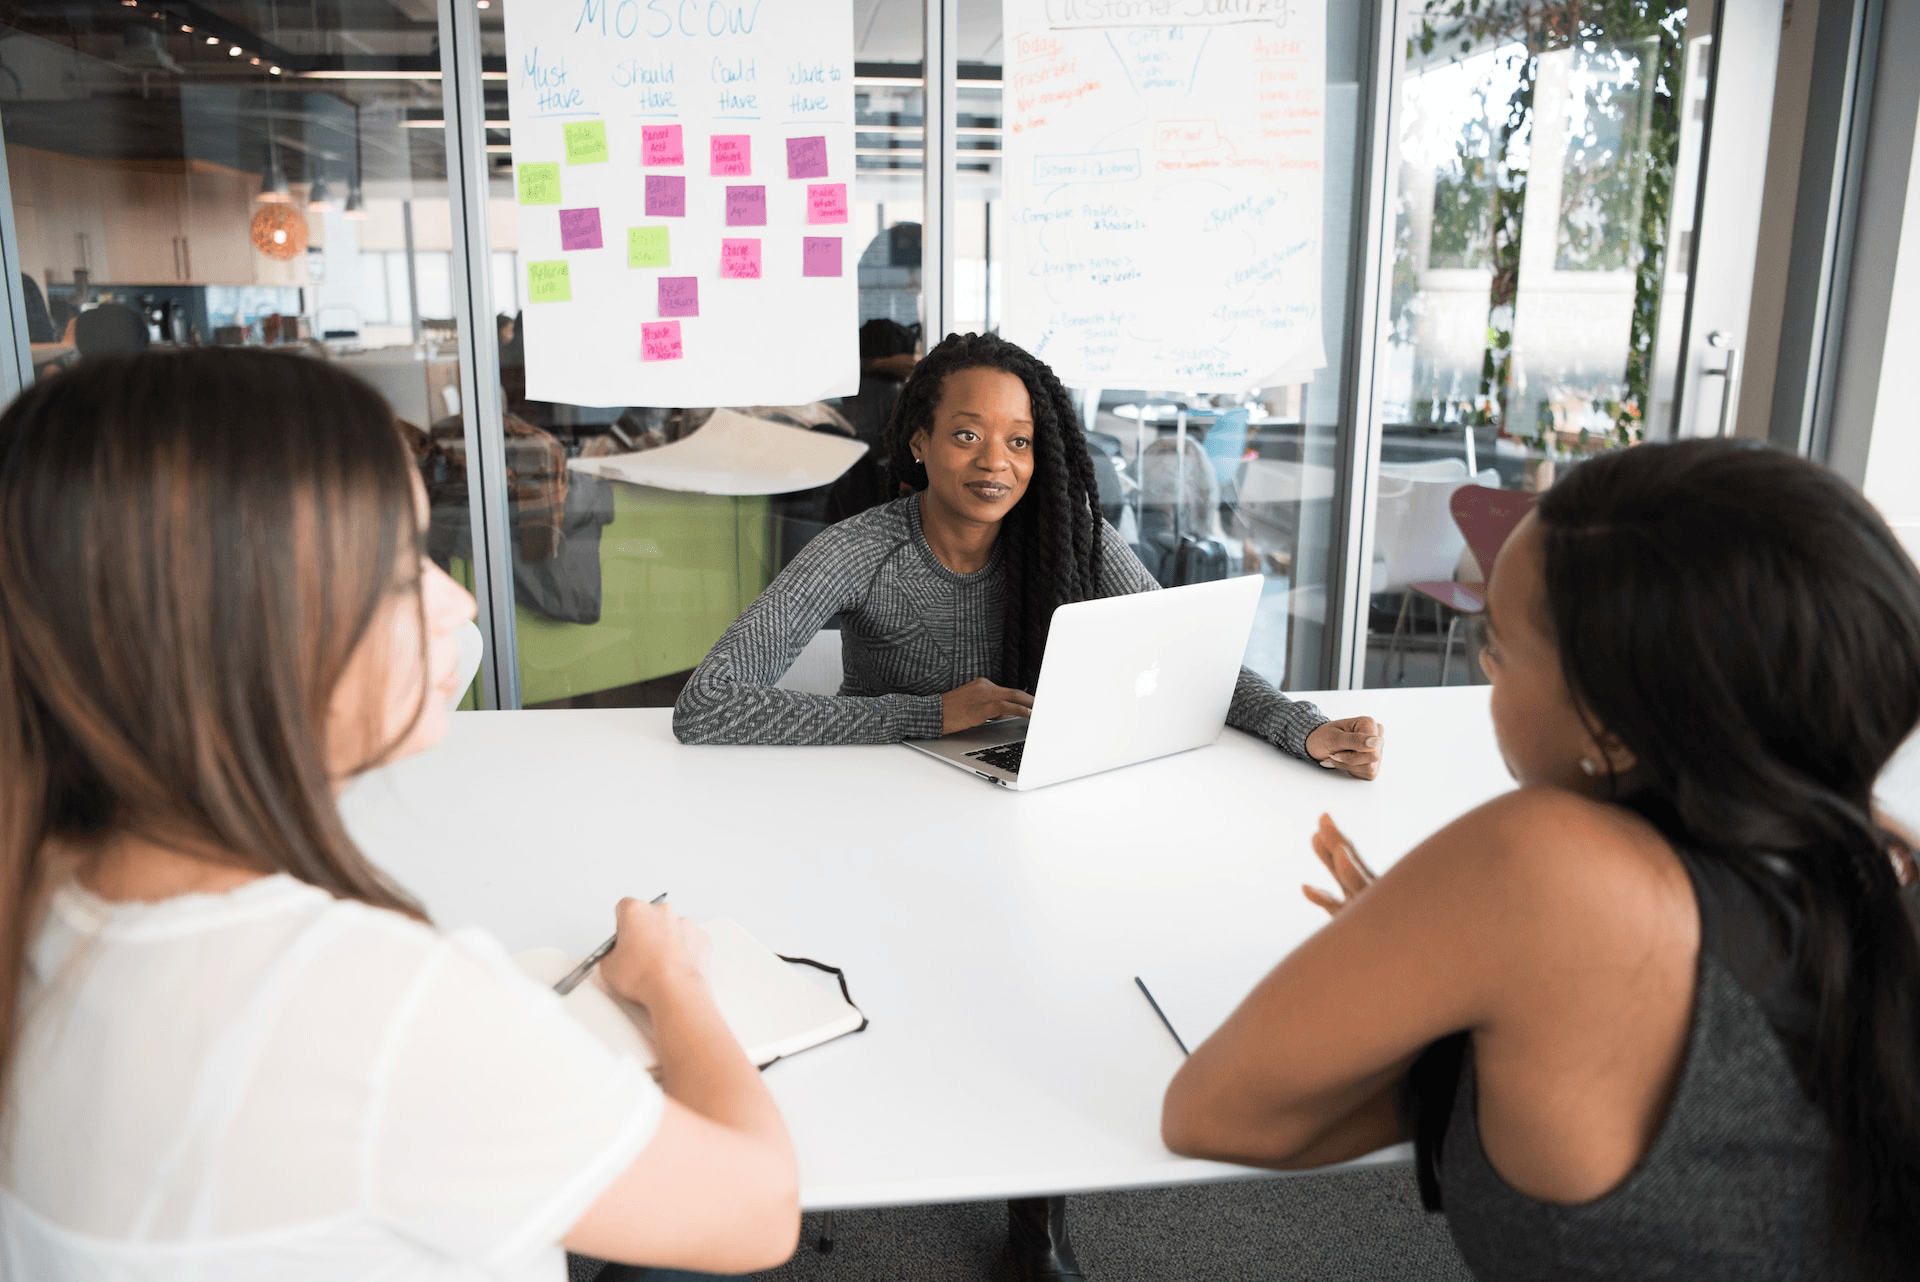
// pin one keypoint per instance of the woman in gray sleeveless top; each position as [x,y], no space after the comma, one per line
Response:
[1656,1013]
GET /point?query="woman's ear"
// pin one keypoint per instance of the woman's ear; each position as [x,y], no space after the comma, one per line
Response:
[1620,759]
[917,445]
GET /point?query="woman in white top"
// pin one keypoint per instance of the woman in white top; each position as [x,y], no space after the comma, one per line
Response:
[231,1047]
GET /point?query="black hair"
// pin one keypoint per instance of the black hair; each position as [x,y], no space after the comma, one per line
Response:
[1049,545]
[1745,623]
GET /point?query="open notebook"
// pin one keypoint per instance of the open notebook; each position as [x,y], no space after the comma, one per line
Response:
[773,1009]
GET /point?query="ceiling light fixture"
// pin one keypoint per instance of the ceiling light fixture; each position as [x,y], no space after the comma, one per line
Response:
[274,70]
[234,52]
[213,40]
[320,196]
[187,27]
[356,206]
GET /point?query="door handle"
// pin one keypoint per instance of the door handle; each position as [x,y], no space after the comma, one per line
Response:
[1729,401]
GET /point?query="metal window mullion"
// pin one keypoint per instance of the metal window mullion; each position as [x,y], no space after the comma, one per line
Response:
[1826,210]
[16,356]
[942,30]
[1357,456]
[464,109]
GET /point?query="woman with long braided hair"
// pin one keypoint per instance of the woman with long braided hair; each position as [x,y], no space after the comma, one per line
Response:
[943,599]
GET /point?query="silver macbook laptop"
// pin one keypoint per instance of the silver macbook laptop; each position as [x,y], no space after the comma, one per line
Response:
[1125,679]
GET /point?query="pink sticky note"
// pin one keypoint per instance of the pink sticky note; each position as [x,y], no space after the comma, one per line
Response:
[806,157]
[826,202]
[732,155]
[679,295]
[660,340]
[579,229]
[660,145]
[746,206]
[739,260]
[666,196]
[820,256]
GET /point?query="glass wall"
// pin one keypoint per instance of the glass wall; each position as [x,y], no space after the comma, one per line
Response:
[255,175]
[1258,498]
[1542,175]
[620,589]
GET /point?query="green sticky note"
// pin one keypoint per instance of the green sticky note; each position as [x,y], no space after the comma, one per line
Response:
[540,183]
[548,283]
[647,247]
[586,142]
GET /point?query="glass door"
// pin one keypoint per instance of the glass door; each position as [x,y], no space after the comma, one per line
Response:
[1573,196]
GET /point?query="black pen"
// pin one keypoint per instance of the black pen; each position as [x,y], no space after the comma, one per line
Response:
[571,980]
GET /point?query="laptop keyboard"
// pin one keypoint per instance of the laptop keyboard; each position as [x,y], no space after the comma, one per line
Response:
[1006,756]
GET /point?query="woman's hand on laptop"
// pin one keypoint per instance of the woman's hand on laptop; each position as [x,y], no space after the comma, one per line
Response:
[1354,745]
[980,701]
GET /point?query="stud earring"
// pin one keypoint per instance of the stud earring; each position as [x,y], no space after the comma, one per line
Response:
[1588,765]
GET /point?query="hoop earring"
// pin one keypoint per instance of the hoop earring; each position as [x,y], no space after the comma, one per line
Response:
[1589,766]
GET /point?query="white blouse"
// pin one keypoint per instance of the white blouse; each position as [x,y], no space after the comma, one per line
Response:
[273,1083]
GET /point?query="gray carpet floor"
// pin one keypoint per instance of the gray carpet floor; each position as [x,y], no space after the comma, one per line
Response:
[1348,1226]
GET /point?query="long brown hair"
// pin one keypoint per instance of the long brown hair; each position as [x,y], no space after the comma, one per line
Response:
[192,545]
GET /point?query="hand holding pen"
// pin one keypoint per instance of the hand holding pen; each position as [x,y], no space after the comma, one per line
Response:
[653,951]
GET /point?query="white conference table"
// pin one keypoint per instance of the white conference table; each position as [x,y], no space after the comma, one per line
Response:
[991,937]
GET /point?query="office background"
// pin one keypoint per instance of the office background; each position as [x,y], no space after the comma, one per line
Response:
[1550,230]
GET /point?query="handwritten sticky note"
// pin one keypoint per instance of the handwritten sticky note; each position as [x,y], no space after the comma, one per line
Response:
[806,157]
[540,183]
[647,247]
[746,206]
[660,340]
[666,196]
[820,256]
[548,283]
[826,202]
[732,155]
[579,229]
[679,295]
[660,145]
[586,141]
[740,260]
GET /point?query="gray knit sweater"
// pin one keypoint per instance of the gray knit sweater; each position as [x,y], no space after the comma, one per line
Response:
[910,630]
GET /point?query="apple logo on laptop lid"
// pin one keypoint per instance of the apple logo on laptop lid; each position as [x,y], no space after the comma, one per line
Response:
[1148,682]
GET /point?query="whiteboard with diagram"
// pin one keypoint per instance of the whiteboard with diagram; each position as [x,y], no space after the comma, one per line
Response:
[1163,176]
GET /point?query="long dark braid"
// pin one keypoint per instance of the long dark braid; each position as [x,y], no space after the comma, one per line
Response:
[1049,544]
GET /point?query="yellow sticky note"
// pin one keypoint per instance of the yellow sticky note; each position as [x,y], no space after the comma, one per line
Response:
[586,141]
[540,183]
[548,283]
[647,247]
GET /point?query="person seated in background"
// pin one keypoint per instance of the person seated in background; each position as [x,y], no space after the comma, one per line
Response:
[943,598]
[1656,1012]
[888,353]
[231,1047]
[109,328]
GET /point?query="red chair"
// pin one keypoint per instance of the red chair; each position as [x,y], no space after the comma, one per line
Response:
[1485,517]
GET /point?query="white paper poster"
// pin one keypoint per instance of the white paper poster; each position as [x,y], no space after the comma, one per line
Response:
[683,172]
[1163,190]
